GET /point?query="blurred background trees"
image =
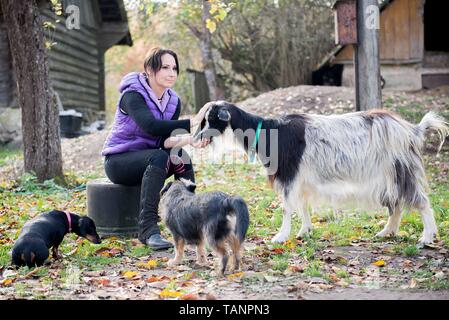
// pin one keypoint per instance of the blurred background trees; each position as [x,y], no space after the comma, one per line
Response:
[254,46]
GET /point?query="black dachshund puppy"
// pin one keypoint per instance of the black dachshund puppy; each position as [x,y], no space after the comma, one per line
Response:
[215,218]
[47,231]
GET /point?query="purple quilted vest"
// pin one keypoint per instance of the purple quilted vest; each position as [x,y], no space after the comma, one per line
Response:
[125,134]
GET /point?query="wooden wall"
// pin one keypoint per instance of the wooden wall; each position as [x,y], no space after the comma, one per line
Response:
[74,60]
[401,34]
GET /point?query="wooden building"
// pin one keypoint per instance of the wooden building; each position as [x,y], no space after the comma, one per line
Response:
[77,59]
[414,46]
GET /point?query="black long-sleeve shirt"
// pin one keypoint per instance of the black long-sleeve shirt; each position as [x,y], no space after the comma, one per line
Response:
[133,104]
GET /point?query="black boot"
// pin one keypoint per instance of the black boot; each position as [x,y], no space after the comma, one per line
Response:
[149,233]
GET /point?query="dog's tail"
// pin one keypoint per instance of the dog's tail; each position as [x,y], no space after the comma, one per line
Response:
[30,255]
[237,206]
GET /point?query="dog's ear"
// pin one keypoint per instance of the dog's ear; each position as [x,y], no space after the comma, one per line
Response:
[191,186]
[224,115]
[165,189]
[88,230]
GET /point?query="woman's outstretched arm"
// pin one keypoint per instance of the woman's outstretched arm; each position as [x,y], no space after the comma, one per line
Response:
[134,105]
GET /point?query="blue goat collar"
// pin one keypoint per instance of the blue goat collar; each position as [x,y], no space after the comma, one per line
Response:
[252,150]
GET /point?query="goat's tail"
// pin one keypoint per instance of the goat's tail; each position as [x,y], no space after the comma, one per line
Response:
[239,207]
[435,122]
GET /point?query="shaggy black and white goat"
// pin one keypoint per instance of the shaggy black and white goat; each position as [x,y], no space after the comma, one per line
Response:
[370,158]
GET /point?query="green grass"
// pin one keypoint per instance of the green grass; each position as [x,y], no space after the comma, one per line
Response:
[6,155]
[342,274]
[279,262]
[314,269]
[141,251]
[436,284]
[411,251]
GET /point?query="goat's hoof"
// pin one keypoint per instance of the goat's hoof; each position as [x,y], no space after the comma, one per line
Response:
[172,262]
[426,240]
[279,238]
[303,233]
[385,234]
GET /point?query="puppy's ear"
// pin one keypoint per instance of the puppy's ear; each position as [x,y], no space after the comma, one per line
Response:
[188,184]
[165,189]
[88,230]
[224,115]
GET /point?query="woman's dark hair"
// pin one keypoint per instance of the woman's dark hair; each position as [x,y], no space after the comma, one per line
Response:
[154,60]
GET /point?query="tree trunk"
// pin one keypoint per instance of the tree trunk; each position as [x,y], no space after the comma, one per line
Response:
[206,55]
[40,120]
[366,54]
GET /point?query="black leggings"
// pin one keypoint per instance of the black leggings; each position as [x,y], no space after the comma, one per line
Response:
[128,168]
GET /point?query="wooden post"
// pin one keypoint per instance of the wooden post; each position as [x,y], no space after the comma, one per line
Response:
[366,56]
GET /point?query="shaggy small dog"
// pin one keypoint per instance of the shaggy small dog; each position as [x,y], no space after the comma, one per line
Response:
[212,217]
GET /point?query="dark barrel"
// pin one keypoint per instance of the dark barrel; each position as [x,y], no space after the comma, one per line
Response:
[113,207]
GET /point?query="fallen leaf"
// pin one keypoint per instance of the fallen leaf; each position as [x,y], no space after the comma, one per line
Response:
[278,250]
[235,275]
[104,282]
[109,252]
[412,283]
[186,284]
[408,264]
[170,293]
[189,276]
[156,279]
[334,277]
[130,274]
[6,282]
[150,264]
[299,268]
[189,296]
[379,263]
[289,244]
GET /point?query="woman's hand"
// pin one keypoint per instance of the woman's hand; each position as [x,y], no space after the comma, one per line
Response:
[196,120]
[200,143]
[178,142]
